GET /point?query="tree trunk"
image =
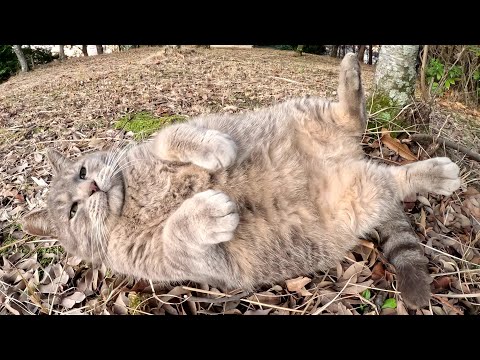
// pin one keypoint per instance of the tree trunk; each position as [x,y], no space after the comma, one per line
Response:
[21,57]
[99,49]
[61,52]
[84,50]
[334,51]
[361,53]
[370,54]
[395,73]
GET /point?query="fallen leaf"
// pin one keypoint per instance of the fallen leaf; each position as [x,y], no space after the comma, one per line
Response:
[258,312]
[390,303]
[40,182]
[266,297]
[297,284]
[396,146]
[38,157]
[442,282]
[378,271]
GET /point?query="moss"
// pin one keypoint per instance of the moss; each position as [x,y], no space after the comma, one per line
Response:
[144,124]
[5,247]
[383,111]
[46,260]
[136,300]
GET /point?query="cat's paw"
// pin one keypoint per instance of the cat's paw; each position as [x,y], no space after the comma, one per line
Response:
[350,67]
[442,174]
[219,151]
[216,215]
[414,282]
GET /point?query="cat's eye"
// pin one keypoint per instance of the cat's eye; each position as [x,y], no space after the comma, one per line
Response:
[83,172]
[73,210]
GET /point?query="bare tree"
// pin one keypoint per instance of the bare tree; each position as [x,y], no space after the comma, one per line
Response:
[99,49]
[61,52]
[334,51]
[84,50]
[370,54]
[21,57]
[395,73]
[361,53]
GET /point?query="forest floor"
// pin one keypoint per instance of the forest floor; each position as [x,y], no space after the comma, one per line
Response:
[74,106]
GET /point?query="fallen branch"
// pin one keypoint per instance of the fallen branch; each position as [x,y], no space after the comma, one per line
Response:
[448,143]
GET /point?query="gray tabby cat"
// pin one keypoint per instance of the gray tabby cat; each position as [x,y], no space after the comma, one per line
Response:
[242,200]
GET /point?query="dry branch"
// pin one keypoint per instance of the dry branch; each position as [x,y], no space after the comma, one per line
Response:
[448,143]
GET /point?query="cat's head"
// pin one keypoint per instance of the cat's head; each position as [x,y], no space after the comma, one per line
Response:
[86,195]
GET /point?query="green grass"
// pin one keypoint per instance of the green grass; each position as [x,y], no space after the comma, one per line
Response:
[144,124]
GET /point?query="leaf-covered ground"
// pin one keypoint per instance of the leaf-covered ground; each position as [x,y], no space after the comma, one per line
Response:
[74,107]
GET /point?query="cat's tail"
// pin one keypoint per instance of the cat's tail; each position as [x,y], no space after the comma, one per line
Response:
[402,249]
[350,92]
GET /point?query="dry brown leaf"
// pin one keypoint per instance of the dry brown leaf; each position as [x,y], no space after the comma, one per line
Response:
[396,146]
[352,271]
[120,306]
[423,220]
[258,312]
[266,297]
[378,271]
[401,309]
[297,284]
[442,282]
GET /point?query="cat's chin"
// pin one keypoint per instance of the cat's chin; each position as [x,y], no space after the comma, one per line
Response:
[98,206]
[114,199]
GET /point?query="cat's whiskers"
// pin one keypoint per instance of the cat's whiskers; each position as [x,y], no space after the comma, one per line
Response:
[100,238]
[112,152]
[103,239]
[124,166]
[119,156]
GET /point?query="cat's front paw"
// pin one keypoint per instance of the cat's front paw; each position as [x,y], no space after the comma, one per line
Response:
[443,174]
[216,216]
[219,151]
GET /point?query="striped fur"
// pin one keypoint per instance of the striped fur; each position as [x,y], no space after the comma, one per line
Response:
[242,200]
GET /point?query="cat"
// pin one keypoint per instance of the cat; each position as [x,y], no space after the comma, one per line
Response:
[244,200]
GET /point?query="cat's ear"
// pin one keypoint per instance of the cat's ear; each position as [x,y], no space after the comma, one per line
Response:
[57,160]
[37,223]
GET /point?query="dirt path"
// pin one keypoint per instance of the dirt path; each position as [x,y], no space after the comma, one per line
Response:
[73,106]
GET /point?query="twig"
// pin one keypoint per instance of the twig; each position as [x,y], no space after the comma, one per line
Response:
[459,296]
[219,300]
[446,303]
[448,143]
[422,74]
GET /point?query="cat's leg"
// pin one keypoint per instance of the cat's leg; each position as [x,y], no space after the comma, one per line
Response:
[370,199]
[402,248]
[194,232]
[350,110]
[207,148]
[438,175]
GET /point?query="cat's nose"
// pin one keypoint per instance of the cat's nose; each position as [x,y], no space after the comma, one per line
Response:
[93,187]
